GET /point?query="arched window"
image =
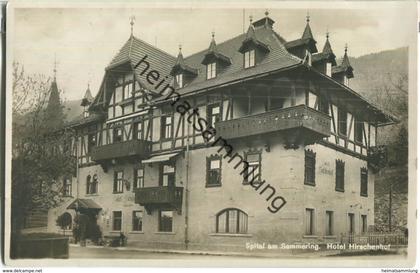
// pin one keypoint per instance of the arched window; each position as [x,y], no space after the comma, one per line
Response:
[88,182]
[92,184]
[65,221]
[232,221]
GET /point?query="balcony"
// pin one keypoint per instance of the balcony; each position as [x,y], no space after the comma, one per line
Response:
[301,122]
[160,198]
[126,149]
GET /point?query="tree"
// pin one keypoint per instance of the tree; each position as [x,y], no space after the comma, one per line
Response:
[392,182]
[41,155]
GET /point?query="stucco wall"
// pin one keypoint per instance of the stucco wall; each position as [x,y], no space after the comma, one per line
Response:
[282,168]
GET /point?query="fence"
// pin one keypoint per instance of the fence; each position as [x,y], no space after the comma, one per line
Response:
[375,238]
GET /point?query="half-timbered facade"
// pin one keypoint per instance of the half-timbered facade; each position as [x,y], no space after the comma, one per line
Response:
[147,170]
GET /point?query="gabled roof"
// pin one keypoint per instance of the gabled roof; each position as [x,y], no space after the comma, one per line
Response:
[129,56]
[84,204]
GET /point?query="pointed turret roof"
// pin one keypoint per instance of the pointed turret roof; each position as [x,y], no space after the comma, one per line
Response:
[212,52]
[326,55]
[307,40]
[327,47]
[88,98]
[307,33]
[181,65]
[345,66]
[251,39]
[346,61]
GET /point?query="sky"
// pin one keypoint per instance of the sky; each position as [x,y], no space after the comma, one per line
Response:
[84,40]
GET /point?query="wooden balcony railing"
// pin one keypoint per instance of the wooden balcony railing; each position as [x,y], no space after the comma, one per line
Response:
[159,197]
[317,124]
[135,147]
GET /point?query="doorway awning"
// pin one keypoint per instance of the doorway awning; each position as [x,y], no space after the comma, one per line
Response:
[84,204]
[160,158]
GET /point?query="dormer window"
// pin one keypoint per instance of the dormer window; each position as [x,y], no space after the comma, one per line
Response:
[211,70]
[249,58]
[85,114]
[328,69]
[179,80]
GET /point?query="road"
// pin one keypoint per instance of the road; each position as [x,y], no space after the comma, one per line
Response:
[77,252]
[113,253]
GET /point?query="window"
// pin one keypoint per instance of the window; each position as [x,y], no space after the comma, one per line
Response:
[166,129]
[167,175]
[312,100]
[342,122]
[117,134]
[253,173]
[214,171]
[85,114]
[339,175]
[232,221]
[137,224]
[309,221]
[310,167]
[118,182]
[165,220]
[249,58]
[179,80]
[211,71]
[91,141]
[358,131]
[329,223]
[364,223]
[138,178]
[351,223]
[328,69]
[363,182]
[118,96]
[138,130]
[323,105]
[346,81]
[91,184]
[116,220]
[128,91]
[67,187]
[213,114]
